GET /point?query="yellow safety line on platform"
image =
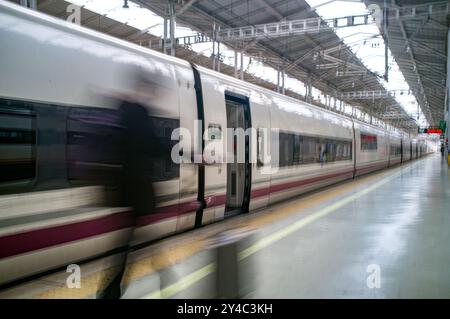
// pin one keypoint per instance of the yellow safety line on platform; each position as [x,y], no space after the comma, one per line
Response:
[172,255]
[280,234]
[183,283]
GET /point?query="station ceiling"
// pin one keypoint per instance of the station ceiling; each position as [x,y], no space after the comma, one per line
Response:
[294,52]
[418,42]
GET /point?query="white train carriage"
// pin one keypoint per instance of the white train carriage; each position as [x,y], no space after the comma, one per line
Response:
[372,148]
[395,148]
[315,148]
[53,107]
[415,149]
[60,126]
[406,148]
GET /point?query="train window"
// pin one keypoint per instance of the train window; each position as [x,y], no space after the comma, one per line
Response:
[331,150]
[339,151]
[163,167]
[320,145]
[260,147]
[94,141]
[368,142]
[343,150]
[395,150]
[93,144]
[286,153]
[290,149]
[297,149]
[17,141]
[297,158]
[347,151]
[309,150]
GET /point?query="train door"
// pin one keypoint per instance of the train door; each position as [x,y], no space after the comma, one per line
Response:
[354,148]
[410,151]
[238,164]
[401,151]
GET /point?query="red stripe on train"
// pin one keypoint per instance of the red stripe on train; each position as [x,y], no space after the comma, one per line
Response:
[37,239]
[281,187]
[42,238]
[168,212]
[369,168]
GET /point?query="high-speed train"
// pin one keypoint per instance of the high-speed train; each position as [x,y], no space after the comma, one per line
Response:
[59,127]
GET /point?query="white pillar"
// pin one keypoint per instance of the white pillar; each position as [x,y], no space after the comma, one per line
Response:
[165,36]
[235,64]
[309,88]
[242,65]
[172,28]
[214,54]
[447,117]
[218,56]
[278,81]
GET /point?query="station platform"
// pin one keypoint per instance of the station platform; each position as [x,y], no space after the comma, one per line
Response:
[384,235]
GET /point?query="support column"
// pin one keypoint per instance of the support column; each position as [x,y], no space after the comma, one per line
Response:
[172,27]
[242,65]
[235,64]
[165,37]
[218,56]
[214,48]
[308,88]
[385,37]
[282,82]
[214,54]
[278,81]
[24,3]
[447,118]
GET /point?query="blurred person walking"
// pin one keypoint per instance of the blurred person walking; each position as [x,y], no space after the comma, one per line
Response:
[139,149]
